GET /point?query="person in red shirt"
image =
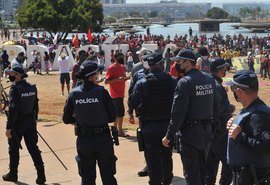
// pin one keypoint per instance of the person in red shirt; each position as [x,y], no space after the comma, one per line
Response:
[174,72]
[116,78]
[76,67]
[174,69]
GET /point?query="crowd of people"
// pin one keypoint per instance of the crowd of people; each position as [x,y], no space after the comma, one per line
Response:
[179,100]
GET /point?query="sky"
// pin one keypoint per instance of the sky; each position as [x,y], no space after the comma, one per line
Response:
[202,1]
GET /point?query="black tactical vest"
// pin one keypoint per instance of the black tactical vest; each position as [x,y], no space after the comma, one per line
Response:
[202,87]
[239,155]
[157,98]
[89,107]
[27,95]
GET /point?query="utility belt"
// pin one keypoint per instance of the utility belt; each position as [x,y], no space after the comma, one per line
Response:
[244,173]
[193,123]
[89,131]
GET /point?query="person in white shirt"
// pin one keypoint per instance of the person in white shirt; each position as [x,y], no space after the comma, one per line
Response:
[63,61]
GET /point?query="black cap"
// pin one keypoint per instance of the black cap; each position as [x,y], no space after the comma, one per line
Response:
[185,54]
[245,79]
[88,68]
[153,58]
[217,63]
[15,69]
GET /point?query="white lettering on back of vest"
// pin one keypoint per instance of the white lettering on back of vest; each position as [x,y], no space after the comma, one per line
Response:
[28,94]
[86,101]
[202,90]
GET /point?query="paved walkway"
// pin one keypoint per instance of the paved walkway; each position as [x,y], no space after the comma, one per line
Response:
[61,139]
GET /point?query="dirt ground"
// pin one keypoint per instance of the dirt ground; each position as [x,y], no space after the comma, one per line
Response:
[51,103]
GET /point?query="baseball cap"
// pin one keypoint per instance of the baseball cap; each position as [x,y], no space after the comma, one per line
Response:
[15,69]
[217,62]
[153,58]
[245,79]
[88,68]
[185,54]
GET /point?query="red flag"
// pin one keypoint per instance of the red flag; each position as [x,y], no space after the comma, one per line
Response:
[89,36]
[75,40]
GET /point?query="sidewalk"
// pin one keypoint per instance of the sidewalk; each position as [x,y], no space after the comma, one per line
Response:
[62,140]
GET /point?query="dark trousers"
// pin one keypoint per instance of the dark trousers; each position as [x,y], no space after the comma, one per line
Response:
[216,154]
[31,138]
[158,159]
[92,149]
[194,164]
[244,176]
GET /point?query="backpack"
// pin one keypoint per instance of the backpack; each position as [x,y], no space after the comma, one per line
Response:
[205,66]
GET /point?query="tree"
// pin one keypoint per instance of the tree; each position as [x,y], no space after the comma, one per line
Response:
[217,13]
[61,15]
[153,14]
[110,19]
[244,12]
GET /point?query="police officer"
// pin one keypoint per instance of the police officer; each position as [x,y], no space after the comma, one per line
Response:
[249,133]
[192,112]
[90,107]
[21,122]
[218,148]
[154,95]
[140,74]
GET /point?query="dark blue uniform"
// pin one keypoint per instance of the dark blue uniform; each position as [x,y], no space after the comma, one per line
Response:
[23,110]
[154,95]
[192,112]
[137,76]
[90,107]
[218,149]
[249,153]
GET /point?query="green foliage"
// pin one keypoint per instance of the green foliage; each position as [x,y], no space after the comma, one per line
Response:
[110,19]
[153,14]
[247,12]
[234,19]
[61,15]
[217,13]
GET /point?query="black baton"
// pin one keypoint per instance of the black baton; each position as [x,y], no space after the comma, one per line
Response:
[52,151]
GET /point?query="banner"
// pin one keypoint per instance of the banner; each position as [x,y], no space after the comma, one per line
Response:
[242,63]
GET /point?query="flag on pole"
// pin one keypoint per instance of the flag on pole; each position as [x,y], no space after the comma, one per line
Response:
[89,36]
[75,40]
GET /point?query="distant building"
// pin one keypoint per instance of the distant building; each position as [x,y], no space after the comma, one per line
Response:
[1,5]
[114,1]
[174,9]
[9,7]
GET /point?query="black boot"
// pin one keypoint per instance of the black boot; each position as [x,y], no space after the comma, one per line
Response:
[41,179]
[143,172]
[11,176]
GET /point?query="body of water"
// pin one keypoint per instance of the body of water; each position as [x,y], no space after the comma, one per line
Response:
[182,29]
